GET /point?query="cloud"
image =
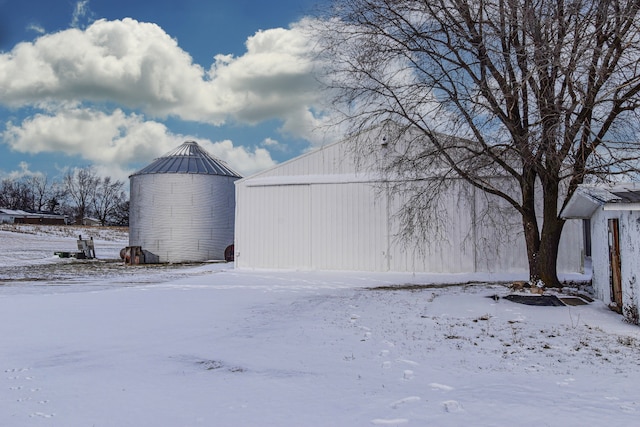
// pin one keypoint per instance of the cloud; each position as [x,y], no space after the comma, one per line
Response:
[273,78]
[80,11]
[126,62]
[244,161]
[273,144]
[23,171]
[139,66]
[117,141]
[36,28]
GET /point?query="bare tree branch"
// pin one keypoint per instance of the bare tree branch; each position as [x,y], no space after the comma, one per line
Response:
[544,92]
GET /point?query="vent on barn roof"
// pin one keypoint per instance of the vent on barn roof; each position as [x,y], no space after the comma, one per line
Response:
[188,158]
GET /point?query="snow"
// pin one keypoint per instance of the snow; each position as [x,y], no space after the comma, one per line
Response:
[209,345]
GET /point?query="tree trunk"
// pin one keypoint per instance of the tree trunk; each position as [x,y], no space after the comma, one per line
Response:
[532,240]
[548,256]
[547,261]
[530,222]
[542,248]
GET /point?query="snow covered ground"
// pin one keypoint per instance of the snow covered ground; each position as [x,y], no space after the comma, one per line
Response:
[94,343]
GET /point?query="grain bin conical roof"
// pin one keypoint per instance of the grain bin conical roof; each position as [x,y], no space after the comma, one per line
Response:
[189,158]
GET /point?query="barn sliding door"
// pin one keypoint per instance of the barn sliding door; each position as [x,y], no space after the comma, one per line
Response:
[614,262]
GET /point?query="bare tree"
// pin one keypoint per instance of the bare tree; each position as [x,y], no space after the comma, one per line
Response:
[81,185]
[121,213]
[108,197]
[56,196]
[41,189]
[544,92]
[15,194]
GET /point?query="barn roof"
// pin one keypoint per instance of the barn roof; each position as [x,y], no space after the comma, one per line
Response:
[188,158]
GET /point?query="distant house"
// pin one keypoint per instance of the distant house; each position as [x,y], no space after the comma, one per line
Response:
[92,222]
[321,211]
[14,216]
[613,212]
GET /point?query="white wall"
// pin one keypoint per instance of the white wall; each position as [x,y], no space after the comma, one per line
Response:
[629,229]
[318,212]
[298,226]
[600,255]
[182,217]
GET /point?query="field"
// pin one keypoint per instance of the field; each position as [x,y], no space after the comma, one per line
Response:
[95,343]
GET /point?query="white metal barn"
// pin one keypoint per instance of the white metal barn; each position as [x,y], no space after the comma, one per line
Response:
[318,212]
[613,212]
[182,206]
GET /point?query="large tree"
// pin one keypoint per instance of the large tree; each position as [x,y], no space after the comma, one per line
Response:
[15,194]
[542,91]
[108,199]
[81,185]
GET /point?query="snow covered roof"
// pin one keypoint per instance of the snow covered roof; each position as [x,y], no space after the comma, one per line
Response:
[589,197]
[26,214]
[13,212]
[188,158]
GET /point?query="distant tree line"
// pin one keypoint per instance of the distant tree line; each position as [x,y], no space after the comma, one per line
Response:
[81,193]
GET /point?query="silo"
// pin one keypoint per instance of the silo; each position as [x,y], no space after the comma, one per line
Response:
[182,206]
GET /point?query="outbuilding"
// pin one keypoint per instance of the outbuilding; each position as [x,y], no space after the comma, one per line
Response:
[182,206]
[322,211]
[612,212]
[17,216]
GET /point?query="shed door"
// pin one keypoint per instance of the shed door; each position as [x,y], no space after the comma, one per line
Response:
[614,262]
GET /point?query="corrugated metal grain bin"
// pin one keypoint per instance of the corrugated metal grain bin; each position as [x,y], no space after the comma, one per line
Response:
[182,206]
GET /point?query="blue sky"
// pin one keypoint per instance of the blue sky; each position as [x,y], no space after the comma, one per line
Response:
[116,83]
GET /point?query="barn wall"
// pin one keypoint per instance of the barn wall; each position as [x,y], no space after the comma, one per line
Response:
[299,227]
[449,243]
[353,226]
[275,231]
[349,237]
[318,212]
[182,217]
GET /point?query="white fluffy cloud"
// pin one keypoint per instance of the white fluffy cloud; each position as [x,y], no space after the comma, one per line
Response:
[112,141]
[23,171]
[138,65]
[77,87]
[130,63]
[272,79]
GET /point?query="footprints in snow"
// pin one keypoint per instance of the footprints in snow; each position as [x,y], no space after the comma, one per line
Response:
[401,402]
[448,406]
[436,386]
[24,393]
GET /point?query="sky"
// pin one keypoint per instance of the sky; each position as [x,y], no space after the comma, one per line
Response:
[117,83]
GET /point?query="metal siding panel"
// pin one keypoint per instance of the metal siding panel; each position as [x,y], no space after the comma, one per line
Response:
[448,243]
[180,217]
[570,258]
[251,233]
[292,227]
[276,227]
[349,231]
[600,253]
[324,229]
[499,243]
[350,226]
